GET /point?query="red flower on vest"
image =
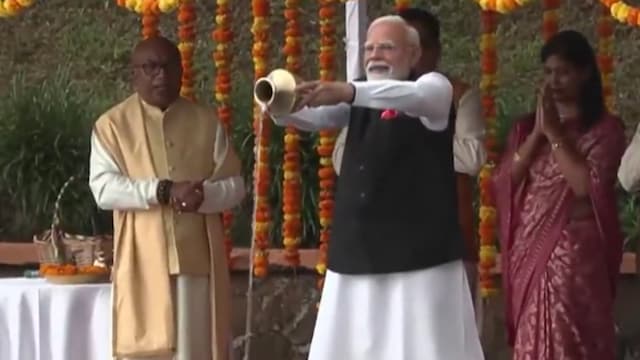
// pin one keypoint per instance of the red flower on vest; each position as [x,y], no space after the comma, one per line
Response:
[389,114]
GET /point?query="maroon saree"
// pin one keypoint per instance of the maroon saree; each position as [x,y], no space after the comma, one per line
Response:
[559,271]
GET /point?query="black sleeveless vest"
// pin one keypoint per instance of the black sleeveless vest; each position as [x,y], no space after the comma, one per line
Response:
[396,202]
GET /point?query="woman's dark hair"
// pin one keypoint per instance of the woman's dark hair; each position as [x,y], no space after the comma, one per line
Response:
[574,48]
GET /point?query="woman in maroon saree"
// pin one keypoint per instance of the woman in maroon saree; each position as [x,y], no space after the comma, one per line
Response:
[560,237]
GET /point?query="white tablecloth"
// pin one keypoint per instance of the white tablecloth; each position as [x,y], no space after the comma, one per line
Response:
[41,321]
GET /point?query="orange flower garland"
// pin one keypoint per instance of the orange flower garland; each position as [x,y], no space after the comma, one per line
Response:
[487,212]
[187,36]
[623,12]
[402,4]
[9,8]
[605,56]
[501,6]
[261,125]
[550,18]
[150,19]
[139,6]
[291,183]
[222,37]
[326,174]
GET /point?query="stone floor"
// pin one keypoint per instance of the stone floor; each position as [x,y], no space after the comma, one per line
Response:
[284,308]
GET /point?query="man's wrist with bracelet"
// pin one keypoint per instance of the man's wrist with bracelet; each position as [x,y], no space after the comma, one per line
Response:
[163,192]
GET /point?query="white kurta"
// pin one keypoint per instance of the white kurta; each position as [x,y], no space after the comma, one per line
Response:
[629,170]
[415,315]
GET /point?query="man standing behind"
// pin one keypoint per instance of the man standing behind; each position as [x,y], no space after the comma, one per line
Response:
[468,149]
[167,169]
[629,170]
[395,287]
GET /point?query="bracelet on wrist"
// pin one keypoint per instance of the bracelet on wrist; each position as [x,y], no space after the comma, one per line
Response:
[163,192]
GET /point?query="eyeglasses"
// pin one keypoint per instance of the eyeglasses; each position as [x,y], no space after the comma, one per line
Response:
[383,48]
[153,68]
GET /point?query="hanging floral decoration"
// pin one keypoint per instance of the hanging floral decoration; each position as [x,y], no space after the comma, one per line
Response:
[291,183]
[326,174]
[155,6]
[262,128]
[9,8]
[222,55]
[623,12]
[501,6]
[487,212]
[186,45]
[550,18]
[150,20]
[605,56]
[402,4]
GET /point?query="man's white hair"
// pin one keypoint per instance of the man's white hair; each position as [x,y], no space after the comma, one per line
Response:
[412,34]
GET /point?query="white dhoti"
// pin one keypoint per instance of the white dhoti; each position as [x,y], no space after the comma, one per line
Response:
[193,319]
[417,315]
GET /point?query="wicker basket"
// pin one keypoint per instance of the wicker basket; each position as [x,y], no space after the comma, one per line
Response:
[56,247]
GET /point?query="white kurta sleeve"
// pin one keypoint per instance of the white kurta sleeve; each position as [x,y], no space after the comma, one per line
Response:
[221,195]
[629,170]
[468,141]
[111,189]
[428,98]
[316,118]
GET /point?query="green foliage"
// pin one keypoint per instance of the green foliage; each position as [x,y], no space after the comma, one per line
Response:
[44,139]
[629,206]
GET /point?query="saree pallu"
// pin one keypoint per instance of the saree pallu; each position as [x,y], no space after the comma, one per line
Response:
[560,270]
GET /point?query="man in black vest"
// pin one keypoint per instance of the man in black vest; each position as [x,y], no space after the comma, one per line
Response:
[468,149]
[395,288]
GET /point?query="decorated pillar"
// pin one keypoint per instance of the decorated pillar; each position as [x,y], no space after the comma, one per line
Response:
[326,174]
[222,57]
[487,212]
[291,182]
[262,129]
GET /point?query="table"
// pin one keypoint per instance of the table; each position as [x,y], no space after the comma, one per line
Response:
[42,321]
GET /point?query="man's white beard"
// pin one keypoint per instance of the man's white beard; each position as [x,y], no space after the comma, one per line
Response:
[393,73]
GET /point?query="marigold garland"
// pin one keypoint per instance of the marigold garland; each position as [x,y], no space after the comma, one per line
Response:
[501,6]
[186,45]
[222,36]
[155,6]
[9,8]
[326,174]
[623,12]
[291,183]
[261,124]
[150,20]
[550,18]
[487,212]
[402,4]
[605,56]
